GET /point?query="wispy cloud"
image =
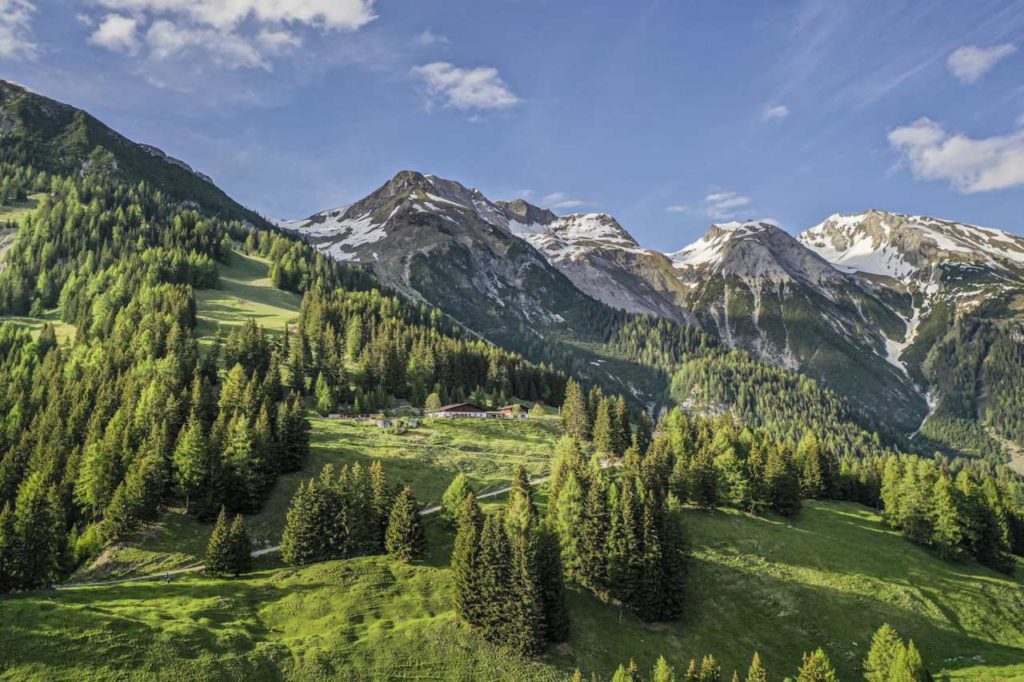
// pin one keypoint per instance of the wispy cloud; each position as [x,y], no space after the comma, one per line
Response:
[429,39]
[774,113]
[722,205]
[16,29]
[677,208]
[968,164]
[560,201]
[970,63]
[479,88]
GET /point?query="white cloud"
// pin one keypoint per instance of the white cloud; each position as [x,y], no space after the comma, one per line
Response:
[560,200]
[234,33]
[969,165]
[677,208]
[775,113]
[117,34]
[276,41]
[15,29]
[722,205]
[1020,121]
[340,15]
[970,63]
[428,39]
[464,89]
[167,39]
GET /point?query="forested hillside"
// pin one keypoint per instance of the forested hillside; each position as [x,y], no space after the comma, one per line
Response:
[100,431]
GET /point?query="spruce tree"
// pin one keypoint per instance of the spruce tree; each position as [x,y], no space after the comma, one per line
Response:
[495,578]
[782,481]
[569,518]
[604,436]
[465,565]
[710,670]
[756,672]
[704,480]
[219,550]
[404,539]
[293,433]
[241,547]
[816,668]
[525,611]
[575,418]
[550,572]
[663,672]
[454,497]
[593,533]
[520,511]
[381,500]
[303,542]
[886,648]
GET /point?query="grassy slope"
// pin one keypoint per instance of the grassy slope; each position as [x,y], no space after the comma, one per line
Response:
[427,458]
[18,210]
[829,578]
[245,292]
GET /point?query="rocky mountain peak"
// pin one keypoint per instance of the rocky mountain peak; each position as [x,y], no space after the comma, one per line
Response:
[906,247]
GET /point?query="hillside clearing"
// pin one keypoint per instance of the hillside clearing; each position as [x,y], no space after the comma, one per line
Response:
[829,578]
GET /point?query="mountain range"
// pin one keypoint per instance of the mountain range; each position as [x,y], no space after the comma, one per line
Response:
[857,302]
[913,320]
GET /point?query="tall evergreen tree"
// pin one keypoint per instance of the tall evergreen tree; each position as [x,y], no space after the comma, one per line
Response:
[816,668]
[465,563]
[756,672]
[404,539]
[575,418]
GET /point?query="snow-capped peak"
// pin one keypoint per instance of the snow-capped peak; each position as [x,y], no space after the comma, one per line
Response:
[899,246]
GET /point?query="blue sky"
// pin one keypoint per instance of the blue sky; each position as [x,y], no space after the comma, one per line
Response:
[669,115]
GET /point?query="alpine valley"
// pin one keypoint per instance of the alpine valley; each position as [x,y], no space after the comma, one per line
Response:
[868,304]
[434,436]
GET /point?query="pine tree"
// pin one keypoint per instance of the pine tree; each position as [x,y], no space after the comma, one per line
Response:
[947,525]
[525,612]
[593,533]
[550,572]
[325,401]
[622,436]
[303,542]
[404,539]
[816,668]
[495,578]
[663,672]
[569,518]
[241,547]
[8,550]
[756,672]
[39,533]
[381,501]
[454,497]
[219,550]
[575,419]
[782,480]
[465,565]
[293,433]
[604,429]
[704,480]
[710,670]
[520,511]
